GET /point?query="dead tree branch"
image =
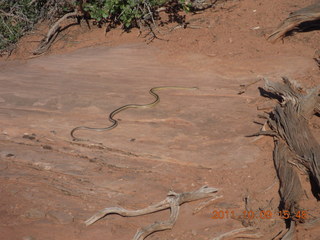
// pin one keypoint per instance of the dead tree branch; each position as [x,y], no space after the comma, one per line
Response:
[235,233]
[308,14]
[296,148]
[173,201]
[52,33]
[290,186]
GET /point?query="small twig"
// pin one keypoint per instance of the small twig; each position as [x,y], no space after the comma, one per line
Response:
[206,204]
[247,203]
[269,187]
[233,232]
[248,235]
[152,33]
[264,133]
[150,13]
[246,86]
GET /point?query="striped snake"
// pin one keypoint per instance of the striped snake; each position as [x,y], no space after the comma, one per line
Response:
[120,109]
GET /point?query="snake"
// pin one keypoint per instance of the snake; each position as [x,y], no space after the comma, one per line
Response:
[114,122]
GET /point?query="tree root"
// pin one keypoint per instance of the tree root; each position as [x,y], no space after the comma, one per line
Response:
[173,201]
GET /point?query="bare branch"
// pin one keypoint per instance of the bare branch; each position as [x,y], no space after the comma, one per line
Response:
[235,232]
[173,201]
[310,13]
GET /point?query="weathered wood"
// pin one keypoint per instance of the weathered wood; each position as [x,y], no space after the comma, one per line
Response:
[173,201]
[290,186]
[236,233]
[295,146]
[307,14]
[294,142]
[53,32]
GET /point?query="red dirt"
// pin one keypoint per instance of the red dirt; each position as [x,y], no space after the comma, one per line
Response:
[51,185]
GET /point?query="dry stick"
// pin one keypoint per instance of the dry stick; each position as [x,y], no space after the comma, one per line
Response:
[54,28]
[252,236]
[245,86]
[206,204]
[173,201]
[233,232]
[47,41]
[203,192]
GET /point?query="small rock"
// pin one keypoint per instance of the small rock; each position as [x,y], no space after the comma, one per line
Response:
[316,126]
[34,213]
[42,166]
[28,238]
[10,155]
[61,217]
[48,147]
[29,136]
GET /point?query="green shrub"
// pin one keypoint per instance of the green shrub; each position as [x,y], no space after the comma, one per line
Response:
[19,16]
[16,17]
[125,12]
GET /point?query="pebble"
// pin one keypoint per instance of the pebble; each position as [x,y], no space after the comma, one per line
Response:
[29,136]
[28,238]
[61,217]
[47,147]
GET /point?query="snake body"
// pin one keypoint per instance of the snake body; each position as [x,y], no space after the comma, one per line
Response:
[120,109]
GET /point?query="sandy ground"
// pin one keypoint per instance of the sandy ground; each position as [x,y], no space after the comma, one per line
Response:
[49,184]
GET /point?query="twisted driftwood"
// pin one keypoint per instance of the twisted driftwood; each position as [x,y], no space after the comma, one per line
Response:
[173,201]
[295,146]
[307,14]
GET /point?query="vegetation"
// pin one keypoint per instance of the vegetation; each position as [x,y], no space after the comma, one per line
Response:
[19,16]
[126,12]
[16,17]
